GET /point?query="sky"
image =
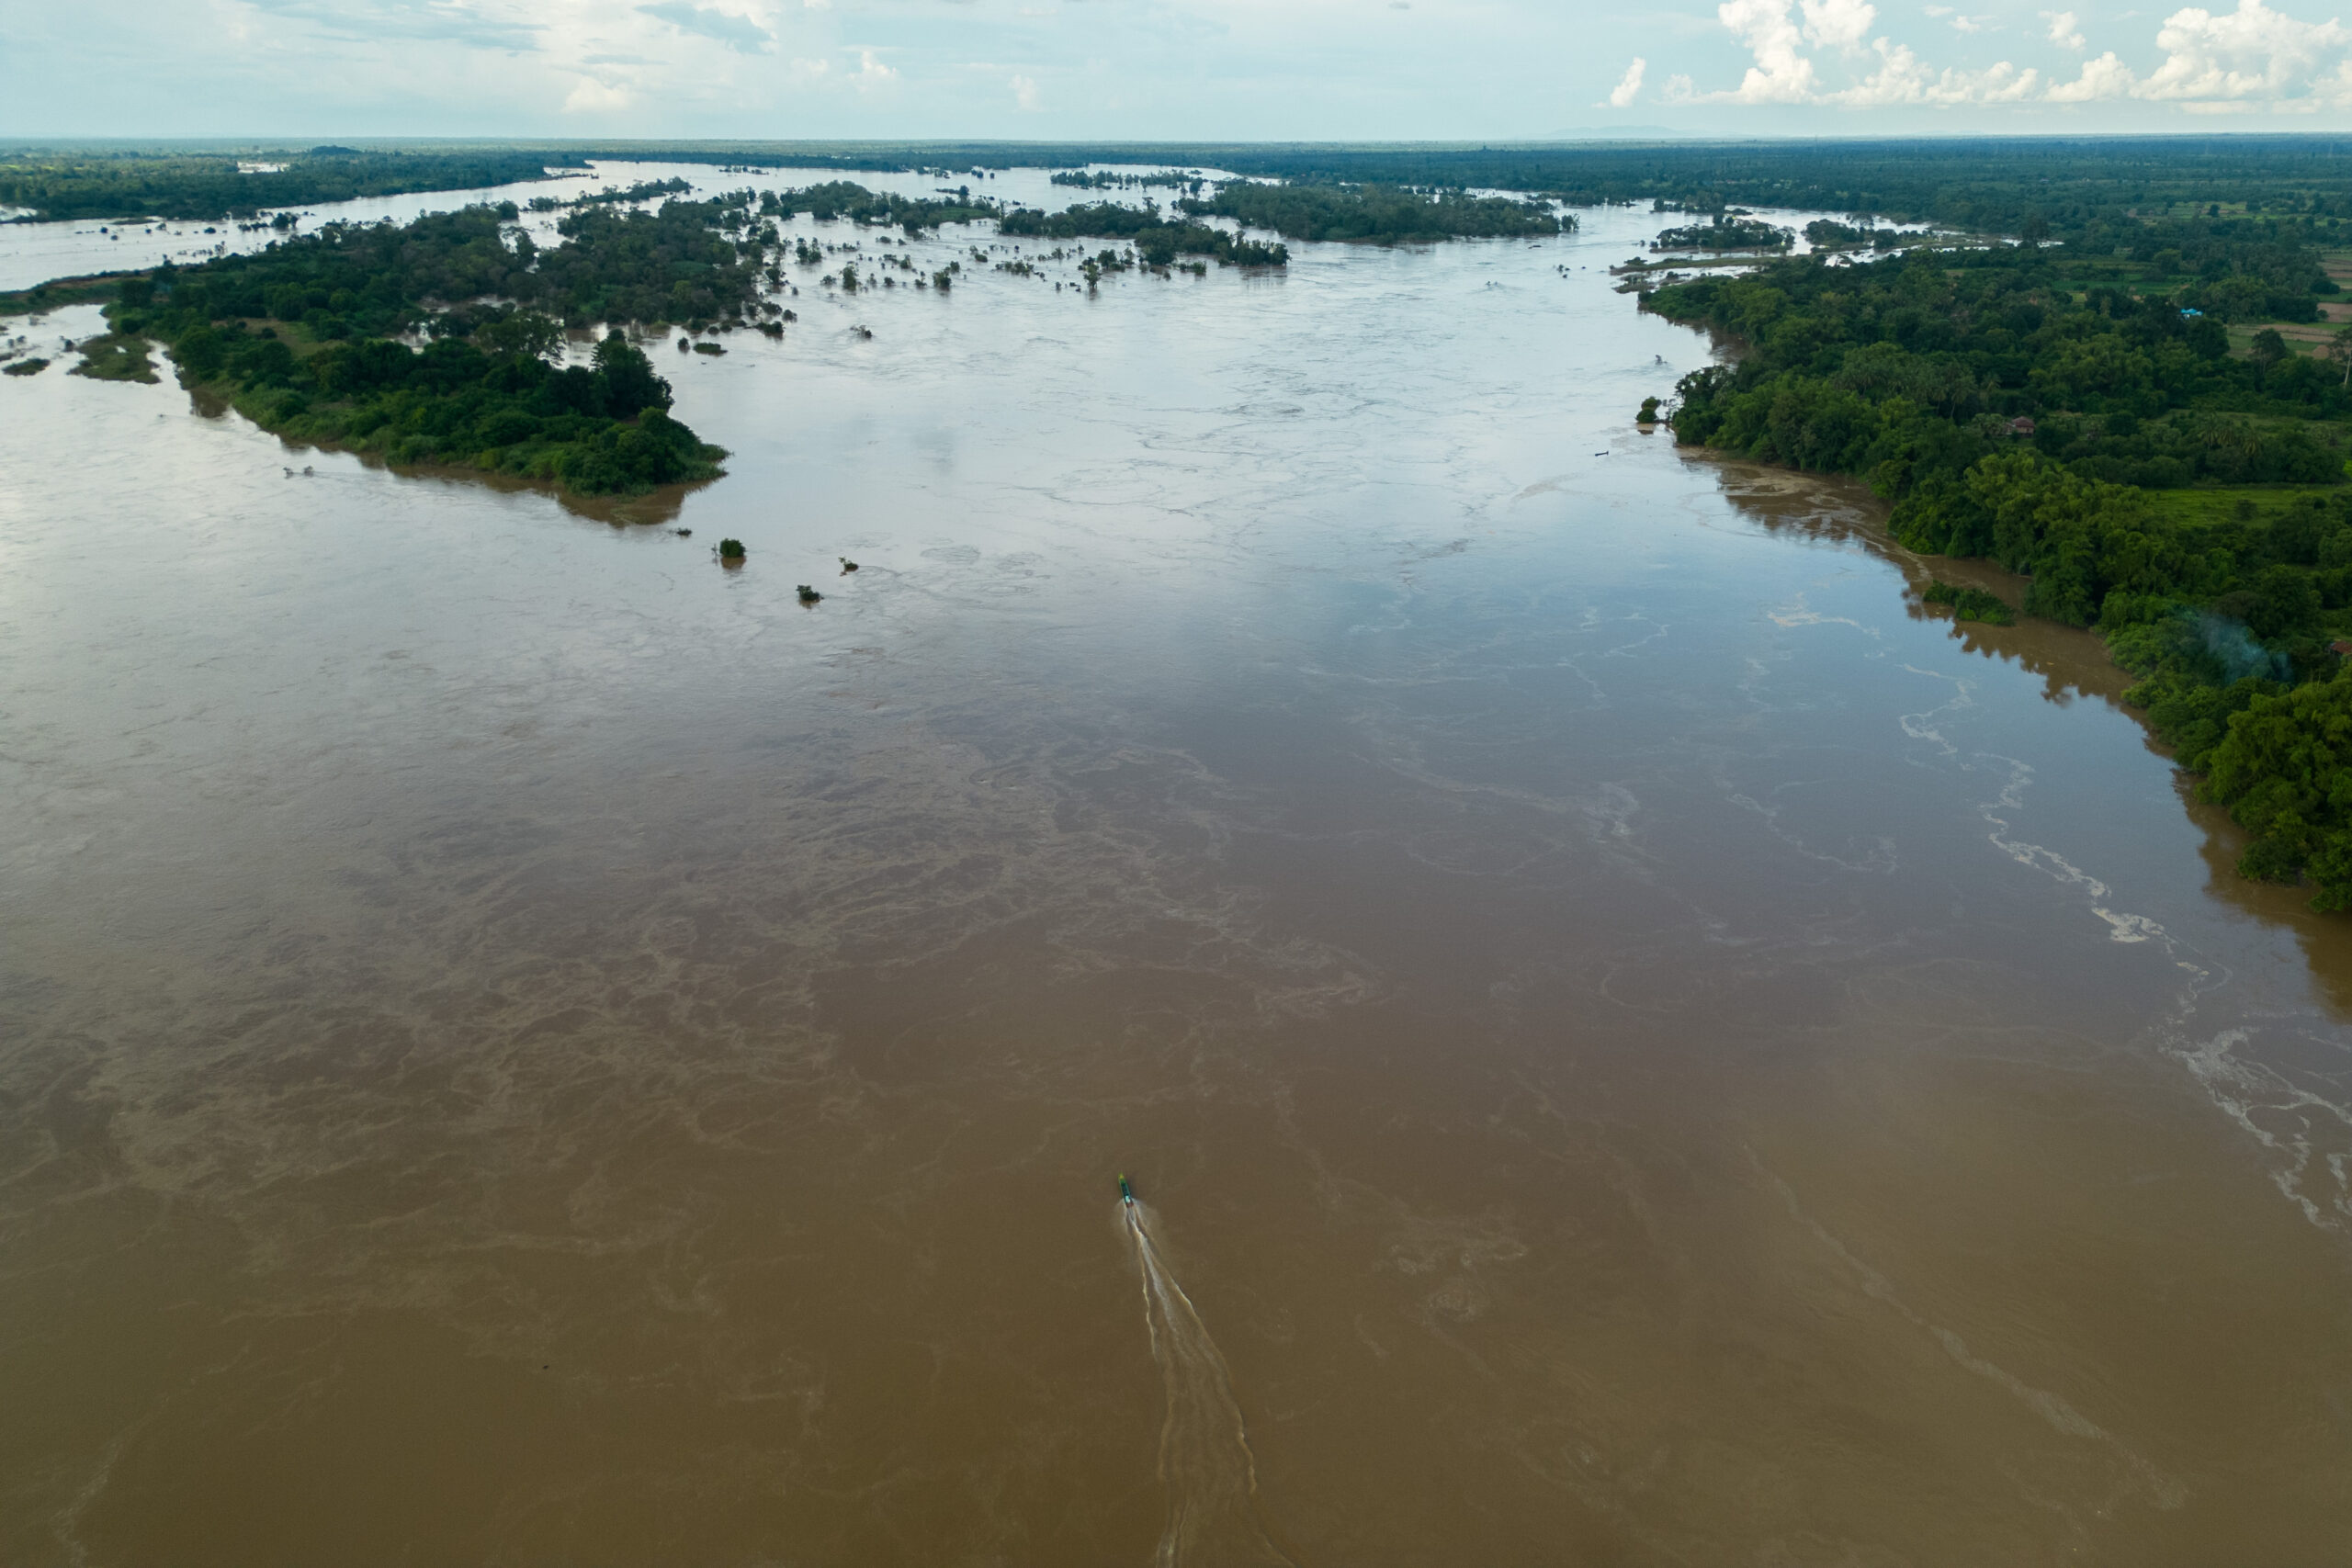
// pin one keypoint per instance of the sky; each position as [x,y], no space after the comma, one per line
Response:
[1192,70]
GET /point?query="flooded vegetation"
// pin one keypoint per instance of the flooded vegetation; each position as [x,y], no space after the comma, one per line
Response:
[1643,1040]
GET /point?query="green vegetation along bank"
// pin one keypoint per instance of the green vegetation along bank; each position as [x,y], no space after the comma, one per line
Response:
[2078,415]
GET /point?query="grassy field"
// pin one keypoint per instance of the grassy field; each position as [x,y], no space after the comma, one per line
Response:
[2198,507]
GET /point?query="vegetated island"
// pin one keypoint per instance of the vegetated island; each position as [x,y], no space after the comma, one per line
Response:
[1730,230]
[2112,419]
[1375,214]
[316,339]
[305,338]
[1366,214]
[1158,239]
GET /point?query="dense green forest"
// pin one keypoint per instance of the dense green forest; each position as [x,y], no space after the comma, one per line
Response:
[128,184]
[841,199]
[1374,214]
[1984,184]
[1377,214]
[688,261]
[1104,179]
[1726,231]
[304,338]
[1159,239]
[2043,408]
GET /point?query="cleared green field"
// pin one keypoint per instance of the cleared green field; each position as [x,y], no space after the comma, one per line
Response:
[2220,505]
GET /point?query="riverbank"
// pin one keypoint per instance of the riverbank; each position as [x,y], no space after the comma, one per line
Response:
[2026,408]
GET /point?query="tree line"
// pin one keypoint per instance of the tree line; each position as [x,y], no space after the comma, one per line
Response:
[185,185]
[2055,412]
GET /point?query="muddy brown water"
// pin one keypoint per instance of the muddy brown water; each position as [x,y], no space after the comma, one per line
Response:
[1638,1044]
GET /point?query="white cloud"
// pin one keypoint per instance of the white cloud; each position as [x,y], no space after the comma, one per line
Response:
[871,72]
[2252,53]
[1901,78]
[592,96]
[1781,75]
[1629,86]
[2106,78]
[1841,25]
[1024,93]
[2213,63]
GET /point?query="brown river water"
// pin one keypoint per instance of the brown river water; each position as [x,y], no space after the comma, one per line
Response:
[1636,1044]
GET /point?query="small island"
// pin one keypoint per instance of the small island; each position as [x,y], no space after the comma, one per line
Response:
[445,340]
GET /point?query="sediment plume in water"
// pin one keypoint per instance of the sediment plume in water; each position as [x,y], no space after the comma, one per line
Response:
[1204,1458]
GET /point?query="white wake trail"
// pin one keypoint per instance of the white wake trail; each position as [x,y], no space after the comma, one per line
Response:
[1204,1458]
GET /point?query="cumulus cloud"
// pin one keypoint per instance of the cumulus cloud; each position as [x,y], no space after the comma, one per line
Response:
[2230,62]
[1629,86]
[1024,93]
[2106,78]
[871,72]
[2212,62]
[1781,75]
[1841,25]
[2252,53]
[1902,78]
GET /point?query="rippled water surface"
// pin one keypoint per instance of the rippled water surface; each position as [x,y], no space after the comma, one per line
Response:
[524,1045]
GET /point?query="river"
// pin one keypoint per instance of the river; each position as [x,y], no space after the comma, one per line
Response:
[1636,1044]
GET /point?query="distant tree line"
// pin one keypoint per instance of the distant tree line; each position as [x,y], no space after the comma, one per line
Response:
[132,185]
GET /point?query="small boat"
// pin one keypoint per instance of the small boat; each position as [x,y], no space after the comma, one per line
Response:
[1127,1193]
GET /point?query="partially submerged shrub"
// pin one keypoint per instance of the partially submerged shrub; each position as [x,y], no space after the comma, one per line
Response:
[1969,604]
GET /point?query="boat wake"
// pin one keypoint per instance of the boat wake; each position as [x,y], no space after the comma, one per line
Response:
[1204,1458]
